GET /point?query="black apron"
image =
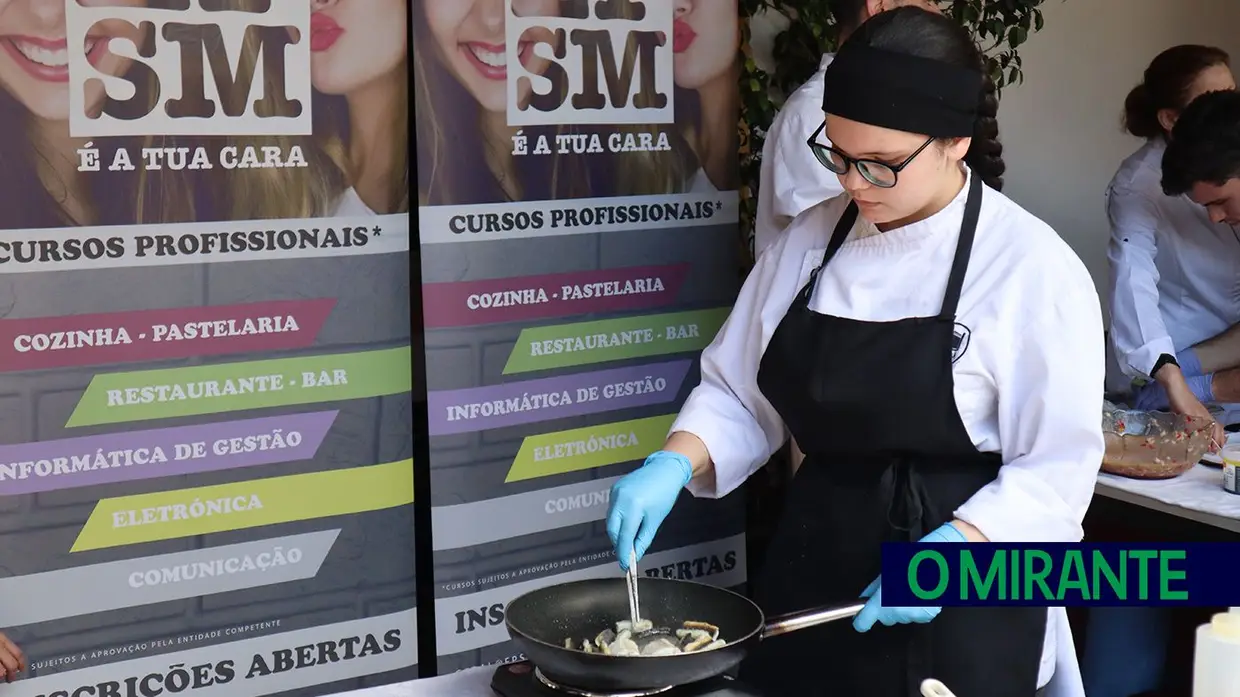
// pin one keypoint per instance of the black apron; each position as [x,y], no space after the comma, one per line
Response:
[887,458]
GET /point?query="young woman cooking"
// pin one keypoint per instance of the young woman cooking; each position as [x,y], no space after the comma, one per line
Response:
[937,353]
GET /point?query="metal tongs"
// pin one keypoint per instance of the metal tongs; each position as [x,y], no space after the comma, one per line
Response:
[630,579]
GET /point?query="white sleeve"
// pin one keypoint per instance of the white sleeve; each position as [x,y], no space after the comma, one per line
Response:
[1138,333]
[727,410]
[1050,385]
[798,178]
[767,222]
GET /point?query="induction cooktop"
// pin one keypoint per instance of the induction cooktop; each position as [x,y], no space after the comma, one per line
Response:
[524,680]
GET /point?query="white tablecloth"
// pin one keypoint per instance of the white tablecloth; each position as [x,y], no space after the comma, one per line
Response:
[475,682]
[1196,495]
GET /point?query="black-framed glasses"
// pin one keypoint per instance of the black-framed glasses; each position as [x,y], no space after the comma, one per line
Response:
[879,174]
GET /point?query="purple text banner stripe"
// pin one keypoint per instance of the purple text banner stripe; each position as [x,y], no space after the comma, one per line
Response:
[546,399]
[29,468]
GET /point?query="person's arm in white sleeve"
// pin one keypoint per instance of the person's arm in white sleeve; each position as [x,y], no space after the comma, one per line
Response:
[727,428]
[767,223]
[1050,381]
[798,179]
[1138,332]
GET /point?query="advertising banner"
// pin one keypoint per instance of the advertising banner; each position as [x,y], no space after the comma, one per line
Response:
[578,225]
[206,441]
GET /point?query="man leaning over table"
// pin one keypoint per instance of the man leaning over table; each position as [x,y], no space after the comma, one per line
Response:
[1202,162]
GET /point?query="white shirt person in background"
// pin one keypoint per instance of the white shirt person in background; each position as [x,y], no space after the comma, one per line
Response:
[1173,268]
[790,179]
[1173,275]
[1175,258]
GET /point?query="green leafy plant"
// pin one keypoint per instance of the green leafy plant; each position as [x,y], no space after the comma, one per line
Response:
[999,26]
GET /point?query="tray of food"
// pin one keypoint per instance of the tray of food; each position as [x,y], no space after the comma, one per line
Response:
[1152,444]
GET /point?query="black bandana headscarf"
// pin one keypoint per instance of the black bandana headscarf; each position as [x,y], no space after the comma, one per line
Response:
[902,92]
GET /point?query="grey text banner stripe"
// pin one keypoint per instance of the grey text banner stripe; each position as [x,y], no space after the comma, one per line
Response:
[82,590]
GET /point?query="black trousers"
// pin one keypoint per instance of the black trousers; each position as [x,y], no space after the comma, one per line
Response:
[1113,521]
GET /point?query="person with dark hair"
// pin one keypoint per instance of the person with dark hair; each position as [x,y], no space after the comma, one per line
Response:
[1202,164]
[1203,159]
[936,351]
[790,179]
[1172,266]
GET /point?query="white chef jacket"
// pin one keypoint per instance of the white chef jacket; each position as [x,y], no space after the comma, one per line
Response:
[1175,276]
[791,179]
[1028,384]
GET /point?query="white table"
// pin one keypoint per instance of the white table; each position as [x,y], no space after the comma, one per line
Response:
[475,682]
[1196,495]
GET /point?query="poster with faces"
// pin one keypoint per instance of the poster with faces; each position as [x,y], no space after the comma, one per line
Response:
[579,239]
[206,393]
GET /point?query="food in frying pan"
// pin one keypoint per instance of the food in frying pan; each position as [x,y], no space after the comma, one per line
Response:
[646,640]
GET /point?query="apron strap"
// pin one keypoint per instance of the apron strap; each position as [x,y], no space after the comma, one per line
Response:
[838,236]
[964,248]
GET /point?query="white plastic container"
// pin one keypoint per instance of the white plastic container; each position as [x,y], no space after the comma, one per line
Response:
[1231,464]
[1216,657]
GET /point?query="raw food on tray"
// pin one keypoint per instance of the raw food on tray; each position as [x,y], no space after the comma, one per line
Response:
[1152,444]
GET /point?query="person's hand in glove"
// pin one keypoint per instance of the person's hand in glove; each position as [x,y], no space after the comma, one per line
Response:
[874,610]
[641,500]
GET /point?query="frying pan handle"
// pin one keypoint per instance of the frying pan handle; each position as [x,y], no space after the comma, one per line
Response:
[809,618]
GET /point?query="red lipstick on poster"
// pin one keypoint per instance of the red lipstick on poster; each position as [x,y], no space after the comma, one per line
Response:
[323,32]
[683,36]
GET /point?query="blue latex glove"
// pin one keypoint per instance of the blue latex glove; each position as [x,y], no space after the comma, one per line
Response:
[641,500]
[1152,397]
[874,610]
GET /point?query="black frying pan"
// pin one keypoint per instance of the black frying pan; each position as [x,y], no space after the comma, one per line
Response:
[540,621]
